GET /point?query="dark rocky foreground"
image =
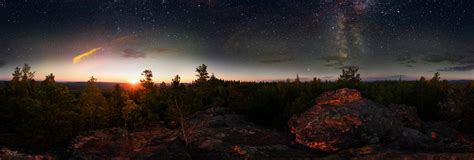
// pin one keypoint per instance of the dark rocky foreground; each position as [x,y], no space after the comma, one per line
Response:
[343,120]
[342,125]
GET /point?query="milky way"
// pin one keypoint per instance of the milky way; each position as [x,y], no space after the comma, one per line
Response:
[244,40]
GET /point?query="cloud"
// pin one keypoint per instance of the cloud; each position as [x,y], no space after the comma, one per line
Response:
[335,61]
[460,58]
[277,60]
[2,63]
[404,58]
[337,58]
[327,77]
[125,40]
[131,53]
[458,68]
[162,50]
[135,46]
[78,58]
[336,65]
[346,67]
[407,59]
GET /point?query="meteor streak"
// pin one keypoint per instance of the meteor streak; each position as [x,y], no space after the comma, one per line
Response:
[85,54]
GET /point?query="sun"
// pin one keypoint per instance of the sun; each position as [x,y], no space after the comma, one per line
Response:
[133,81]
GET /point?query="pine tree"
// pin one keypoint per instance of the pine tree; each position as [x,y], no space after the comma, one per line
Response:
[175,82]
[93,104]
[132,114]
[422,79]
[23,82]
[48,87]
[27,75]
[176,111]
[436,77]
[147,81]
[58,111]
[202,73]
[150,100]
[297,80]
[349,74]
[16,75]
[124,111]
[117,102]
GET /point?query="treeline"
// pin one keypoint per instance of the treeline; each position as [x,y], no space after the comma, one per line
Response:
[47,114]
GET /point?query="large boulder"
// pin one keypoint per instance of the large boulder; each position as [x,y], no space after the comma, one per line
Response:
[458,109]
[342,119]
[408,115]
[339,97]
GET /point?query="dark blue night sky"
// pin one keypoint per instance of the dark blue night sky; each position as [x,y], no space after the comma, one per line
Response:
[238,39]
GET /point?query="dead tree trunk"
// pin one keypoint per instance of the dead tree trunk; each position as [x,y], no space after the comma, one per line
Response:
[181,117]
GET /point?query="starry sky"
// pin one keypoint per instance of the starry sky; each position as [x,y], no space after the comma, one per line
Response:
[249,40]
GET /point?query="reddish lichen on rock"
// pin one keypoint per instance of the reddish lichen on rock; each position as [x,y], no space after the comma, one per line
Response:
[339,97]
[341,119]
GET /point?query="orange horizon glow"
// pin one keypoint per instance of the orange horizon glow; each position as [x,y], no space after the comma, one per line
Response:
[133,82]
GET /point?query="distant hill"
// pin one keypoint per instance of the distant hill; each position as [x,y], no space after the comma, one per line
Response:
[460,81]
[81,85]
[101,85]
[105,86]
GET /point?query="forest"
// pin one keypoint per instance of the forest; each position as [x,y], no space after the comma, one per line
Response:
[46,115]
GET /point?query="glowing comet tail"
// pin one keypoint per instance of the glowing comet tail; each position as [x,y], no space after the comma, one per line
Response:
[85,54]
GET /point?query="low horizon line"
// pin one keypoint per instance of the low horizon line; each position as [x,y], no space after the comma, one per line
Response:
[292,80]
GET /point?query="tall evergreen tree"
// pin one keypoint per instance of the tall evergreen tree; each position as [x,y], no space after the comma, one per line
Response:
[117,102]
[202,73]
[147,81]
[297,80]
[23,82]
[132,114]
[349,74]
[175,82]
[123,111]
[151,99]
[93,105]
[436,77]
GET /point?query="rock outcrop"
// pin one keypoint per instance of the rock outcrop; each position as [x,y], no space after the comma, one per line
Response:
[222,134]
[156,142]
[458,109]
[343,120]
[408,115]
[216,133]
[6,153]
[342,123]
[339,97]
